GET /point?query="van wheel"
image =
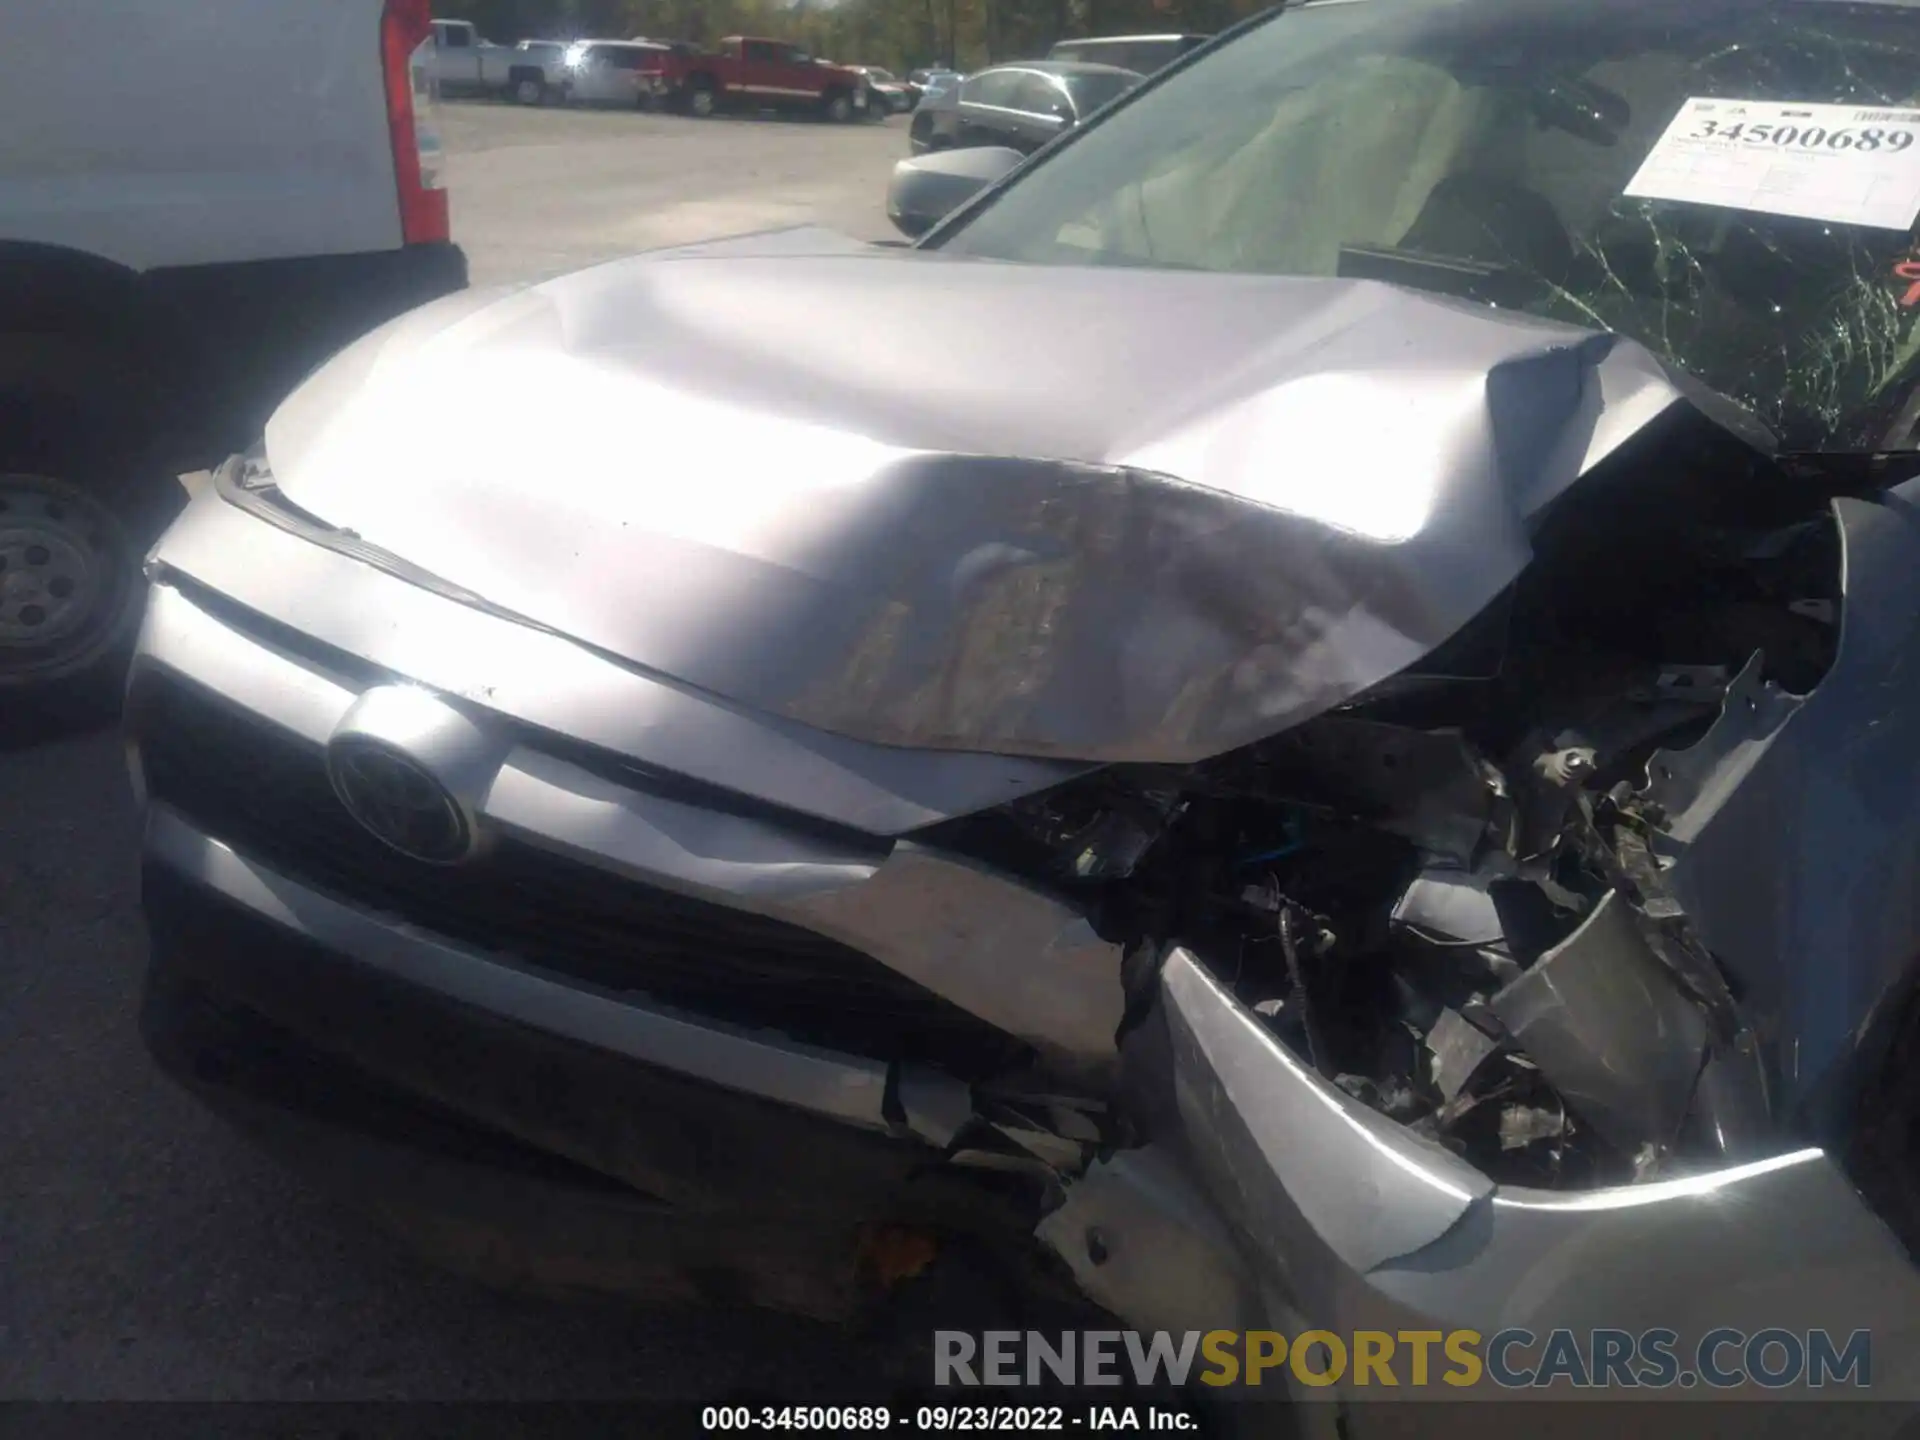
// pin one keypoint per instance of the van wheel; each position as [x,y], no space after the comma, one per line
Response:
[839,107]
[529,91]
[71,594]
[83,494]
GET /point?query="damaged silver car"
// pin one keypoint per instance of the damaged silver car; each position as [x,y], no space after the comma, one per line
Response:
[1342,754]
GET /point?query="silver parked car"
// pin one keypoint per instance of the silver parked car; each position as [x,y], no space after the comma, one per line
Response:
[615,72]
[1019,107]
[1342,752]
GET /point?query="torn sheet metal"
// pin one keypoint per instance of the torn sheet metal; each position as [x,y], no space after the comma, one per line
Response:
[1604,1021]
[1793,825]
[1456,1049]
[1454,904]
[1314,1167]
[926,547]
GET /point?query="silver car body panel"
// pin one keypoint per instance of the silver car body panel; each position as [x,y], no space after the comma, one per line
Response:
[554,684]
[1609,1027]
[1141,1240]
[1013,955]
[1423,1242]
[1390,1192]
[1042,554]
[1795,822]
[854,1090]
[845,1088]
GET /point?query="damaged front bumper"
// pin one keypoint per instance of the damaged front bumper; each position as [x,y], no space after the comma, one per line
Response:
[1268,1199]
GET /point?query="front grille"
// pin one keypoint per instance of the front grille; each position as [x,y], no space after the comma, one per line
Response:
[266,793]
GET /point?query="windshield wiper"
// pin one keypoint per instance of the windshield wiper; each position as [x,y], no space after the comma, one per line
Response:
[1506,286]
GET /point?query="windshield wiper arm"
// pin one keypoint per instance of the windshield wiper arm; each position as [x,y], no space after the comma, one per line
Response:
[1502,285]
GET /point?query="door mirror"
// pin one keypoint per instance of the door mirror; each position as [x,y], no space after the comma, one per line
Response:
[928,188]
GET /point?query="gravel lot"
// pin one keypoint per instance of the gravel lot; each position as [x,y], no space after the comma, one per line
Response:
[144,1251]
[539,192]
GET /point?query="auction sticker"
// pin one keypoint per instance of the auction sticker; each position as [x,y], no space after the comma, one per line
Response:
[1845,163]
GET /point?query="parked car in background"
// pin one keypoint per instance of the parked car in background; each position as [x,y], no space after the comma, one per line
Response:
[1144,53]
[1341,751]
[890,95]
[617,72]
[747,72]
[550,81]
[1019,106]
[170,267]
[922,83]
[464,62]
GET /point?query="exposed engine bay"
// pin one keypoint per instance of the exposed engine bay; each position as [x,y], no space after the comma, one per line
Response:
[1449,898]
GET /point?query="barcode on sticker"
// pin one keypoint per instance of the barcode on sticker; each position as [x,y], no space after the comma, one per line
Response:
[1907,115]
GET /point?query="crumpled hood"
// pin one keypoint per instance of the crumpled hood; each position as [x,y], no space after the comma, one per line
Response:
[1089,513]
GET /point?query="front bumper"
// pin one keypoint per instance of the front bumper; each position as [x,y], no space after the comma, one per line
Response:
[524,1133]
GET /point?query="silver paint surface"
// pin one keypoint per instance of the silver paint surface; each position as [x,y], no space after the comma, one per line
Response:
[1795,822]
[1010,953]
[1141,1240]
[1198,509]
[535,678]
[1425,1242]
[1609,1028]
[1327,1168]
[847,1088]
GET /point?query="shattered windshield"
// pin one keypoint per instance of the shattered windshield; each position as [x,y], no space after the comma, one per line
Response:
[1734,185]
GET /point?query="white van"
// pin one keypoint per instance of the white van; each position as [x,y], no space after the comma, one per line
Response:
[198,203]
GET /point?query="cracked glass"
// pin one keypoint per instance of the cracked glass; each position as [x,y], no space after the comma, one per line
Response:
[1482,148]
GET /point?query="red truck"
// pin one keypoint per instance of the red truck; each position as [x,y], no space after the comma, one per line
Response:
[744,72]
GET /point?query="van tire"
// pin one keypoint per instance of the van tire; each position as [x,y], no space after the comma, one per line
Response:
[79,515]
[838,106]
[84,592]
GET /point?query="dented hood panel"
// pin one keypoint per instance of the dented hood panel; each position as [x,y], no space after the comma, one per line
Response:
[1088,514]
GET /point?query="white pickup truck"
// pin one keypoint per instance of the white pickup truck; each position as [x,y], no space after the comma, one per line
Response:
[171,264]
[465,62]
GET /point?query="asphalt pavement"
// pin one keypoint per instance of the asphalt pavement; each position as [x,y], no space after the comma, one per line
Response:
[145,1251]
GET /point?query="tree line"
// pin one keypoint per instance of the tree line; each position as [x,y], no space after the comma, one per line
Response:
[899,34]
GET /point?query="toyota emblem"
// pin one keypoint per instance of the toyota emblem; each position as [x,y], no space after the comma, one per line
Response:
[398,800]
